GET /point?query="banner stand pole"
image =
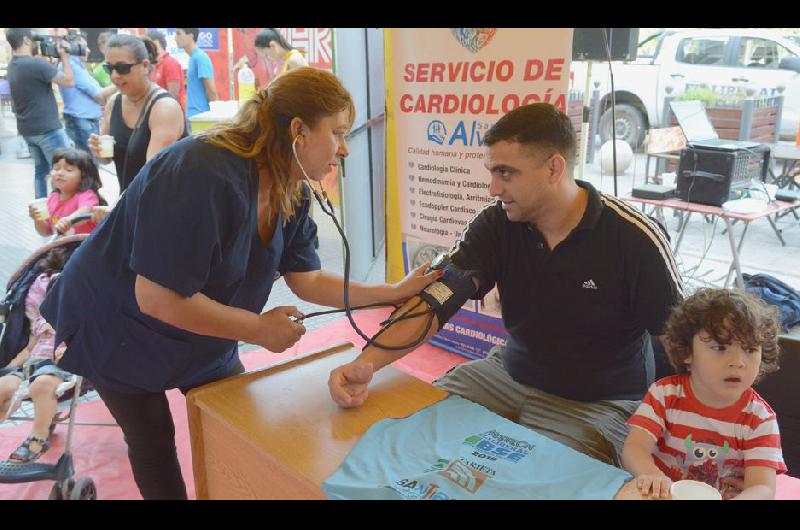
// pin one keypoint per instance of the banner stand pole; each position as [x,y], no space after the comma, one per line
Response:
[585,123]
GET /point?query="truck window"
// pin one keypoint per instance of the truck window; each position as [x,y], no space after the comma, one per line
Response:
[761,53]
[705,50]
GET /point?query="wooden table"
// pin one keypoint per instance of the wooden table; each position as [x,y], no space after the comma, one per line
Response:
[276,434]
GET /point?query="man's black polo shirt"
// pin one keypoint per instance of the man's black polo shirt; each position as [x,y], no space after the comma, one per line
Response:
[577,316]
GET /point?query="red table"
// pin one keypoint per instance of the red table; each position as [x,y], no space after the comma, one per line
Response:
[775,207]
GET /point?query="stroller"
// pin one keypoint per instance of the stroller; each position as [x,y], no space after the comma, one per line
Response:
[13,338]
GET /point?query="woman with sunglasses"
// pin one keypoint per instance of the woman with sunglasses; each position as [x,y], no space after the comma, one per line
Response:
[162,292]
[143,118]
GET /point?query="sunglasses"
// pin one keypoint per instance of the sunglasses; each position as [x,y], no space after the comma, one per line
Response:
[121,68]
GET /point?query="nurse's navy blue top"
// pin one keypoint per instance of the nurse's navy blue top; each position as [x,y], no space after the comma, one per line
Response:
[187,222]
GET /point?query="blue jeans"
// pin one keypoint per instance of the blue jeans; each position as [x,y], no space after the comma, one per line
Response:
[42,147]
[79,129]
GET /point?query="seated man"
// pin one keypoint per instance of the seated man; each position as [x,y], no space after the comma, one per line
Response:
[582,276]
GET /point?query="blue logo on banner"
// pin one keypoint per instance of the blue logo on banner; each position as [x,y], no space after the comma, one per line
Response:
[437,132]
[208,39]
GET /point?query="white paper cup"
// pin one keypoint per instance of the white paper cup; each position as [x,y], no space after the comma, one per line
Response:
[693,490]
[106,146]
[40,205]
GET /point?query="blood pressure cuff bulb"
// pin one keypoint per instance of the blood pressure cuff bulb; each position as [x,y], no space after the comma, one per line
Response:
[446,295]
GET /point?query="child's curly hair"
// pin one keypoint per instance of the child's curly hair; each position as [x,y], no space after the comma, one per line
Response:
[727,316]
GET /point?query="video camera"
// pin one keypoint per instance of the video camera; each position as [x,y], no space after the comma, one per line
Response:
[48,44]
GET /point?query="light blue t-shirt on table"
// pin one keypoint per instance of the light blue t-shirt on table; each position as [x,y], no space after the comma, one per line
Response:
[79,100]
[457,449]
[200,68]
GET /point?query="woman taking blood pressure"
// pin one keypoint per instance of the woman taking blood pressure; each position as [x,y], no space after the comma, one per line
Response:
[160,294]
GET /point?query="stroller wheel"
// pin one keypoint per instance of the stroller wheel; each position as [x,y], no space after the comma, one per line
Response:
[57,493]
[83,490]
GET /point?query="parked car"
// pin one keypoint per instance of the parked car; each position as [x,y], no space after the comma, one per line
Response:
[726,61]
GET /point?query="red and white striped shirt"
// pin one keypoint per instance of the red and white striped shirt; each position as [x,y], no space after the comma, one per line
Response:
[697,442]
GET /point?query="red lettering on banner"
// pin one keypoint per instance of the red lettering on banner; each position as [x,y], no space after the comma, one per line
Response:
[533,63]
[554,68]
[473,76]
[422,72]
[474,103]
[490,108]
[409,77]
[450,103]
[435,103]
[454,69]
[437,72]
[510,102]
[505,70]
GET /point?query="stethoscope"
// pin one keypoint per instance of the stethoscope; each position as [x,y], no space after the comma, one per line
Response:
[327,208]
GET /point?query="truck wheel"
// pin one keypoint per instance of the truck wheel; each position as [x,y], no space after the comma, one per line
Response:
[630,125]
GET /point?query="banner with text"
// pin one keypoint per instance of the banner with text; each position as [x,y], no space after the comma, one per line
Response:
[441,98]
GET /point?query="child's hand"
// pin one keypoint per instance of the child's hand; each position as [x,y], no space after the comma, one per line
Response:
[33,213]
[63,225]
[660,485]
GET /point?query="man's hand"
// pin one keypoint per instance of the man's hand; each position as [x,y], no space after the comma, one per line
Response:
[413,283]
[660,485]
[277,331]
[348,384]
[63,51]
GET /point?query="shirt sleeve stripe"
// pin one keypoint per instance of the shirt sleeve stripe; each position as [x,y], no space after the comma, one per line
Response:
[653,231]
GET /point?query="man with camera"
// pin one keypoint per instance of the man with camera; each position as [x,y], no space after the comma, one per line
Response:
[83,102]
[31,82]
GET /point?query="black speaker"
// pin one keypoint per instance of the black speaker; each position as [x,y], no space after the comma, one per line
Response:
[588,44]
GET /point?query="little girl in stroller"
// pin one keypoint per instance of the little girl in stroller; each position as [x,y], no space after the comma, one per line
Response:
[36,365]
[76,184]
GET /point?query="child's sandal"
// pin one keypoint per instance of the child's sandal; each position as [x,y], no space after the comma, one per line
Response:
[23,453]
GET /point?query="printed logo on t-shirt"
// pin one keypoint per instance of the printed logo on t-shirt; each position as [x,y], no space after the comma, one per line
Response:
[589,284]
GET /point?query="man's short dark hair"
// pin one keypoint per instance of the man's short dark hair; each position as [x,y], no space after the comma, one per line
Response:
[16,36]
[539,125]
[156,35]
[194,31]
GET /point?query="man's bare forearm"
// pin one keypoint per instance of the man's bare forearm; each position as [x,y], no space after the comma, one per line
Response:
[403,332]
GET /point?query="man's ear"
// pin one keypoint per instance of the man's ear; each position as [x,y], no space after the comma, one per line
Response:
[557,166]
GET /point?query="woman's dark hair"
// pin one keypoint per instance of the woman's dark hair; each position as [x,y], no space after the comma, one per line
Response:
[90,176]
[727,316]
[141,48]
[267,35]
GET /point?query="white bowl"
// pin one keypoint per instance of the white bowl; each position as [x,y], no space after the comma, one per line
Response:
[693,490]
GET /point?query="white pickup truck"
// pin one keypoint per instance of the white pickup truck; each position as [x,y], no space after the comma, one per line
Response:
[673,61]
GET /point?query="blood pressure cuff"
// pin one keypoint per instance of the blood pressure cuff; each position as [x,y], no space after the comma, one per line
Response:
[446,295]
